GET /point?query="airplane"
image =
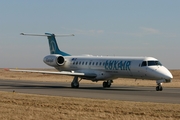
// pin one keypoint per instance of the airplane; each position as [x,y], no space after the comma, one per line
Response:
[101,68]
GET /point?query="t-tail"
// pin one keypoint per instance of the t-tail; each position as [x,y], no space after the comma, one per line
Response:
[53,46]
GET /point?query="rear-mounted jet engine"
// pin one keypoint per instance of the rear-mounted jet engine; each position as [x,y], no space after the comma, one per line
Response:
[54,60]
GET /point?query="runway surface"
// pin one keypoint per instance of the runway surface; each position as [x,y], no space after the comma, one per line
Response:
[140,94]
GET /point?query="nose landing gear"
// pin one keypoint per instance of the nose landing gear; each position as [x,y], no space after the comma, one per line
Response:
[159,87]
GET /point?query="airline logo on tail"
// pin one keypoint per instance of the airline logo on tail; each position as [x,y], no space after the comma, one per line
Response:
[52,46]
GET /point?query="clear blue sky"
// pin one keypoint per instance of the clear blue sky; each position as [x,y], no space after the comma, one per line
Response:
[101,27]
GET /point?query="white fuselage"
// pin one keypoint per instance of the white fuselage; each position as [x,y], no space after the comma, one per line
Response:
[110,67]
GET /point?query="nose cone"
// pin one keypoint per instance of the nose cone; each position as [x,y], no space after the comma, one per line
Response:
[168,75]
[165,73]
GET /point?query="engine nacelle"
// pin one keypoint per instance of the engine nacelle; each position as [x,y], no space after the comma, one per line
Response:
[54,60]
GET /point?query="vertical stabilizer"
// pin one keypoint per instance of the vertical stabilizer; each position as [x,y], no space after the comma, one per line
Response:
[54,49]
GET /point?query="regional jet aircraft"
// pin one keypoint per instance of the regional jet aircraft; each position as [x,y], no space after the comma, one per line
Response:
[102,68]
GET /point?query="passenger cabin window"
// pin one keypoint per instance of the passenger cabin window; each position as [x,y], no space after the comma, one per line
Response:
[144,63]
[103,63]
[154,63]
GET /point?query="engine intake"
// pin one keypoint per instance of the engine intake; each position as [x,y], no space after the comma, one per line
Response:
[60,60]
[54,60]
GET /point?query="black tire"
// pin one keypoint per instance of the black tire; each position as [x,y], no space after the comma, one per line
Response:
[104,84]
[77,86]
[109,86]
[159,88]
[74,86]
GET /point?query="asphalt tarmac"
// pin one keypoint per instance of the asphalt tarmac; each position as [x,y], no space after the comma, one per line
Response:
[116,92]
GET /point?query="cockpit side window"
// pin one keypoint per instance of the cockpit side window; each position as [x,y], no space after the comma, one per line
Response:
[154,63]
[143,64]
[158,63]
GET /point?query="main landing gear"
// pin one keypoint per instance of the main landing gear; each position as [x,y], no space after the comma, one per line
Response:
[75,82]
[159,86]
[107,84]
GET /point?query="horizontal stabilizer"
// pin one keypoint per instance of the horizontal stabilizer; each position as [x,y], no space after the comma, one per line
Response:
[47,34]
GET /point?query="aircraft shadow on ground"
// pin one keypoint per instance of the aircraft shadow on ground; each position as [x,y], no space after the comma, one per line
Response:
[121,88]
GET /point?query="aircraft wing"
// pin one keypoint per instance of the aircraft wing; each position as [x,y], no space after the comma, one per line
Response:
[57,73]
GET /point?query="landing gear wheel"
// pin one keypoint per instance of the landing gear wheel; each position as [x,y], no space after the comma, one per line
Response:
[106,84]
[73,85]
[159,85]
[75,82]
[159,88]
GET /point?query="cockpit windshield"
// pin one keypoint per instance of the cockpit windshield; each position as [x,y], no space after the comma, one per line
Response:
[150,63]
[154,63]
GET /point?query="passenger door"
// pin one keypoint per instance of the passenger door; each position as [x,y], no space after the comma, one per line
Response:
[143,69]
